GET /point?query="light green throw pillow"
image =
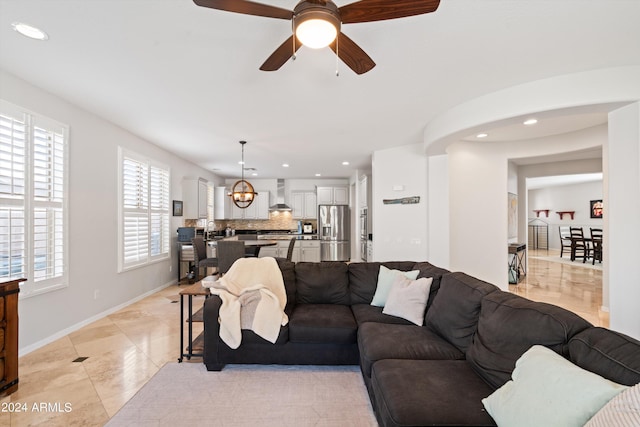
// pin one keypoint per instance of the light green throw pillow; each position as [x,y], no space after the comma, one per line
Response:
[386,277]
[548,390]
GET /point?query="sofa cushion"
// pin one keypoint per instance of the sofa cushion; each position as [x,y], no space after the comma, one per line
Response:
[621,411]
[378,341]
[322,323]
[408,299]
[289,276]
[607,353]
[549,390]
[322,283]
[429,392]
[363,277]
[456,307]
[509,325]
[429,270]
[370,313]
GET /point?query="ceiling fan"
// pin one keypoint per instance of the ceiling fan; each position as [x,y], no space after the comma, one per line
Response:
[316,24]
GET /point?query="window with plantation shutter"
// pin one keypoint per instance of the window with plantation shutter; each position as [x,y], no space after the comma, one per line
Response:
[144,211]
[33,199]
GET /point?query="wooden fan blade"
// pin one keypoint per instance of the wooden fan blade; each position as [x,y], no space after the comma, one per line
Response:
[247,7]
[281,55]
[352,55]
[379,10]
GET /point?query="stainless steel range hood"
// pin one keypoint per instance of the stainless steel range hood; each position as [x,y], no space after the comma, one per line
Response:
[280,205]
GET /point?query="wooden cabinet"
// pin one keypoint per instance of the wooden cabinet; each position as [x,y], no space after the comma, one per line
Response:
[333,195]
[9,336]
[303,205]
[194,194]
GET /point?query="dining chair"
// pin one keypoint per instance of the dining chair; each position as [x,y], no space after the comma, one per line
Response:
[596,241]
[200,256]
[292,243]
[565,238]
[250,251]
[579,246]
[228,252]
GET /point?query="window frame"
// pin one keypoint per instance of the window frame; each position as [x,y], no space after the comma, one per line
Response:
[147,212]
[29,203]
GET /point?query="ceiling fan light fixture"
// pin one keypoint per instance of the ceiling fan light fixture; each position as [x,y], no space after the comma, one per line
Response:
[316,33]
[316,26]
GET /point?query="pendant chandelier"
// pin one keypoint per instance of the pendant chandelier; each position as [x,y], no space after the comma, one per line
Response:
[242,192]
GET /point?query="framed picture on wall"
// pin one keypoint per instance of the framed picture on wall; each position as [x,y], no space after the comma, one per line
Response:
[596,208]
[177,208]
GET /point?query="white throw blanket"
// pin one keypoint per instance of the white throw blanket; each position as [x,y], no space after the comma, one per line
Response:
[253,297]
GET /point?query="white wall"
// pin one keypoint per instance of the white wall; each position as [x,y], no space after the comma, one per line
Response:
[438,211]
[399,231]
[622,214]
[478,186]
[93,205]
[573,197]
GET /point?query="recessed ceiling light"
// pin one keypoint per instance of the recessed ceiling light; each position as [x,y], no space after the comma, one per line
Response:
[254,174]
[345,163]
[482,135]
[318,174]
[29,31]
[241,162]
[285,165]
[530,122]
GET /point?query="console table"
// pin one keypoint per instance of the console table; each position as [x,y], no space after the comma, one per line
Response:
[194,347]
[519,260]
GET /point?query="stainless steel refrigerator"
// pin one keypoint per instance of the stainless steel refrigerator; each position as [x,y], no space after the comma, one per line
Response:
[333,228]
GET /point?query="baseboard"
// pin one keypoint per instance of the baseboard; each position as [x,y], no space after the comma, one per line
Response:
[48,340]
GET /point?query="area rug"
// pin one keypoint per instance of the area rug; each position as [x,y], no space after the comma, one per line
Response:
[186,394]
[567,261]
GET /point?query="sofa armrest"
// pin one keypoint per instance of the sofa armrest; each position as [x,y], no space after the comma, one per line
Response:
[210,314]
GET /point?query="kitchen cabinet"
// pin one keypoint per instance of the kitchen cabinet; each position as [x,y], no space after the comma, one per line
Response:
[304,250]
[304,204]
[226,209]
[309,250]
[194,195]
[362,191]
[222,204]
[259,209]
[333,195]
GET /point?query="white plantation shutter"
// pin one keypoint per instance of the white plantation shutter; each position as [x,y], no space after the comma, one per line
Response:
[33,202]
[144,211]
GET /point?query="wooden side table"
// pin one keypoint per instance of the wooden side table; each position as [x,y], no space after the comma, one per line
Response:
[198,344]
[9,336]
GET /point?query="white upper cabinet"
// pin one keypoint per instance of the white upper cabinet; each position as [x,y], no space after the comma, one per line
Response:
[259,209]
[194,194]
[362,191]
[303,204]
[333,195]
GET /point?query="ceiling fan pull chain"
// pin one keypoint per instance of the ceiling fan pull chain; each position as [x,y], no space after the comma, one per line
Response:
[293,54]
[337,57]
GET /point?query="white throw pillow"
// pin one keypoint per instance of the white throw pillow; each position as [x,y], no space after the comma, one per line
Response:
[386,277]
[408,299]
[621,411]
[548,390]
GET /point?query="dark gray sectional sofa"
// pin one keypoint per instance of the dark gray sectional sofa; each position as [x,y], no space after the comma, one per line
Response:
[436,374]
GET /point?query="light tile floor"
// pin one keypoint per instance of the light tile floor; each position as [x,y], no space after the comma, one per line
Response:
[125,349]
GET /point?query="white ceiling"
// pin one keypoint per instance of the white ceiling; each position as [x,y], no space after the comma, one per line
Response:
[186,78]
